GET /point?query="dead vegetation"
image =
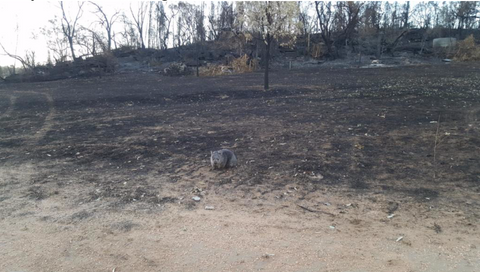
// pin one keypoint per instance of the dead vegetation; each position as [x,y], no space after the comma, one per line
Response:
[177,69]
[239,65]
[467,50]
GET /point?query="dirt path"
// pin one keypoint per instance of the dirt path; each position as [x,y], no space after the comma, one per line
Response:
[232,238]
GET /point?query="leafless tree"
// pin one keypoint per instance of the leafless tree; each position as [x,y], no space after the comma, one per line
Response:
[69,26]
[186,23]
[106,22]
[139,20]
[350,13]
[28,62]
[164,23]
[212,22]
[227,17]
[406,14]
[90,40]
[466,13]
[325,21]
[129,35]
[200,34]
[239,13]
[272,20]
[56,42]
[150,27]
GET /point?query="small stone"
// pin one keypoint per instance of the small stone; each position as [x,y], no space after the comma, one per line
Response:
[268,255]
[196,198]
[209,208]
[317,177]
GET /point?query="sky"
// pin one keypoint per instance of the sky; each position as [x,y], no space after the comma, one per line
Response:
[29,16]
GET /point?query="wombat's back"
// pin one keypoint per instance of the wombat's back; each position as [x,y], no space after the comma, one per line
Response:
[231,157]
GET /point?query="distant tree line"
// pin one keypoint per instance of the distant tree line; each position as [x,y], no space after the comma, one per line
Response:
[160,25]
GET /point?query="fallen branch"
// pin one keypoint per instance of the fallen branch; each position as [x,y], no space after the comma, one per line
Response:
[391,47]
[314,211]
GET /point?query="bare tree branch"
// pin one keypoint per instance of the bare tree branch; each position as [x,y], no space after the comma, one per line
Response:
[24,62]
[139,20]
[69,27]
[106,22]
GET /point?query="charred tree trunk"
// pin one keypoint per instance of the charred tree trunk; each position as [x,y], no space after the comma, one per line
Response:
[109,41]
[70,41]
[267,61]
[378,54]
[391,47]
[198,60]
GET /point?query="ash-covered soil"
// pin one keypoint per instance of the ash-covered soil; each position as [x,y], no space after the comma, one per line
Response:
[342,146]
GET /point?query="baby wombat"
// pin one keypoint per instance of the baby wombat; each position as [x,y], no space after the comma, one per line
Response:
[223,159]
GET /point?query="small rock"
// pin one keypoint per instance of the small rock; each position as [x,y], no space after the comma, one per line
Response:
[317,176]
[446,60]
[399,239]
[392,207]
[332,227]
[196,198]
[391,216]
[209,208]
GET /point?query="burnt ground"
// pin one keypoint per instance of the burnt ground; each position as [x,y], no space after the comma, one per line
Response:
[397,138]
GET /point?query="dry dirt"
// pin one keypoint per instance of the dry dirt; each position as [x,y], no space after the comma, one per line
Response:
[340,170]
